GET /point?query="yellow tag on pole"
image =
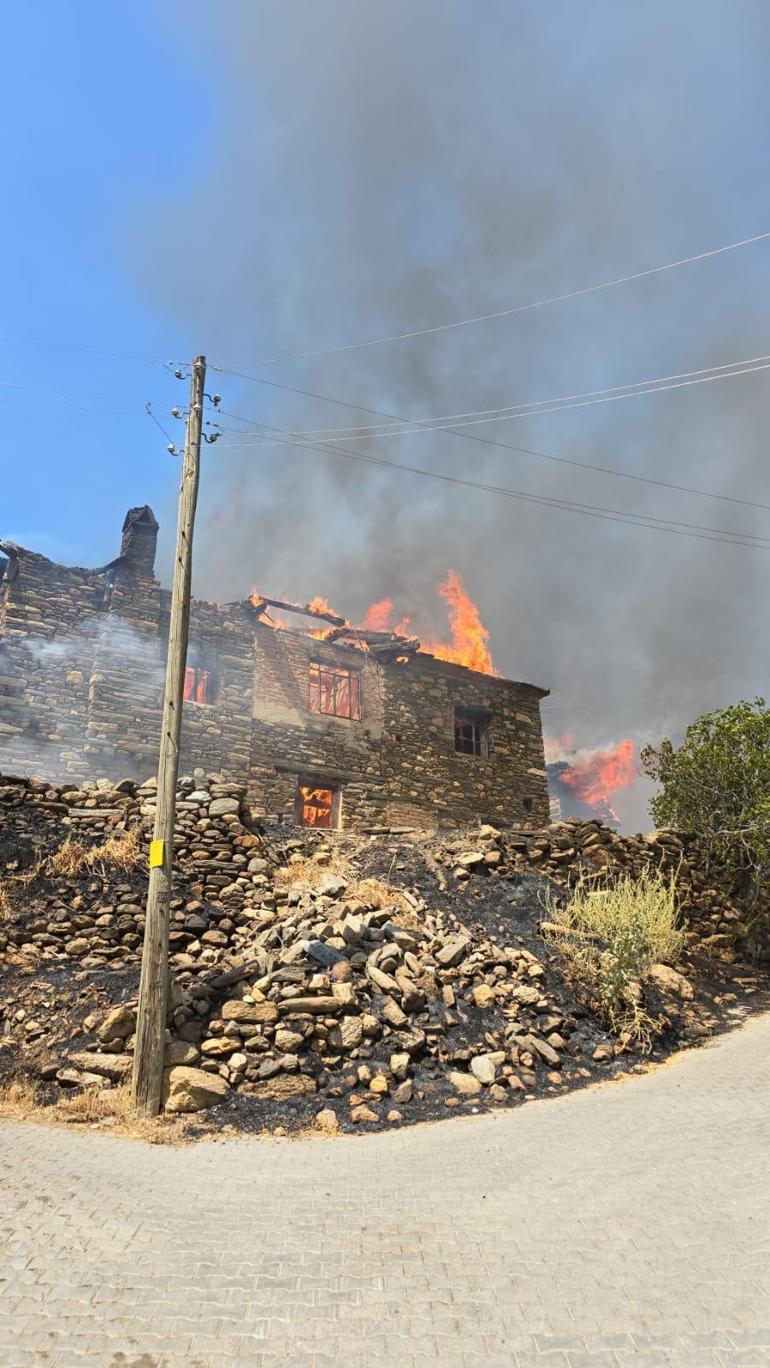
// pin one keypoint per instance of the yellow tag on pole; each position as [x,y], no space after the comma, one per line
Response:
[156,854]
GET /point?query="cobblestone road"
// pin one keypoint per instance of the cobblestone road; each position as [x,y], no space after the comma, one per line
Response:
[628,1224]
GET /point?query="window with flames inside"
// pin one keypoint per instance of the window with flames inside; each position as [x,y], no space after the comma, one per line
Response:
[316,806]
[335,691]
[198,685]
[471,734]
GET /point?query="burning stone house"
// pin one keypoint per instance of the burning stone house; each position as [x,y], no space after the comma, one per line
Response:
[327,724]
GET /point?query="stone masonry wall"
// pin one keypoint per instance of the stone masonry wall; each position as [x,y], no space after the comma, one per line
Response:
[398,765]
[82,664]
[82,657]
[220,849]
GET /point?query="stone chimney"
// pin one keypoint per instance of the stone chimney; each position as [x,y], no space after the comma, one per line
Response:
[140,536]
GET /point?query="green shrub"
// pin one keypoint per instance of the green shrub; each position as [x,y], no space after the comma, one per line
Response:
[716,784]
[610,937]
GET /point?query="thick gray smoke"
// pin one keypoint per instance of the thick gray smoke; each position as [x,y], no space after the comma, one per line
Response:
[374,168]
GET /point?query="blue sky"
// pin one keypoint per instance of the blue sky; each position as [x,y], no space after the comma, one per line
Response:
[250,179]
[98,120]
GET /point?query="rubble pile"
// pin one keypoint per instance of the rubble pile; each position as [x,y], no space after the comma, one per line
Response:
[322,977]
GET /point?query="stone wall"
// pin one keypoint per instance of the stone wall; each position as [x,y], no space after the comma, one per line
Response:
[398,766]
[81,678]
[225,857]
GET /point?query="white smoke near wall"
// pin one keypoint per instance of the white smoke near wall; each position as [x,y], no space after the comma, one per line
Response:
[47,725]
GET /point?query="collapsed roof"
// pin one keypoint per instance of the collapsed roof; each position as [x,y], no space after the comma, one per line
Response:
[386,646]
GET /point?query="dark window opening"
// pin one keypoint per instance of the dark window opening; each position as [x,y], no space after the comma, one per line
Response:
[335,691]
[316,806]
[528,804]
[471,734]
[198,685]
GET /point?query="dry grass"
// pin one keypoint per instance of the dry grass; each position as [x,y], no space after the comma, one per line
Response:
[610,937]
[18,1101]
[308,874]
[120,850]
[105,1108]
[5,902]
[378,894]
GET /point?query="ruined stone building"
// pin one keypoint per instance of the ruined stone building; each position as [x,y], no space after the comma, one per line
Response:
[328,725]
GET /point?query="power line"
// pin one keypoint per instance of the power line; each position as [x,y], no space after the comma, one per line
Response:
[74,394]
[722,536]
[604,470]
[532,404]
[73,408]
[156,421]
[509,415]
[47,389]
[503,446]
[516,309]
[88,351]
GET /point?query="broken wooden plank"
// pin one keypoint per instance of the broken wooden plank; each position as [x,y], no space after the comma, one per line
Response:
[260,602]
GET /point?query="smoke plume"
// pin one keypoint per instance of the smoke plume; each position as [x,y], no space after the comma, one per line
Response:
[371,169]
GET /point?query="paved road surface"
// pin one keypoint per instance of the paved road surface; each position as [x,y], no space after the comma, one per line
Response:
[627,1224]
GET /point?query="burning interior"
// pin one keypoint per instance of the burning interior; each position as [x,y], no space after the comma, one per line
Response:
[316,806]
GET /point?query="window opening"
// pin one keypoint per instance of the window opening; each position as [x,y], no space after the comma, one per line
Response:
[471,734]
[315,806]
[335,691]
[198,686]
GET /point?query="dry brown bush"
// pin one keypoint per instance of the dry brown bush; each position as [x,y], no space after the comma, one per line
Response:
[377,894]
[308,873]
[68,860]
[18,1100]
[119,850]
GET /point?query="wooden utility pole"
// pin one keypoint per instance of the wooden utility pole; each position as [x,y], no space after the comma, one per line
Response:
[147,1081]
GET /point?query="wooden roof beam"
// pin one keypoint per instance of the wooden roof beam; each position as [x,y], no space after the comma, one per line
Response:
[262,601]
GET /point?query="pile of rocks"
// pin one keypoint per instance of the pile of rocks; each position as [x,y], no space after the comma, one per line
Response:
[393,1014]
[316,976]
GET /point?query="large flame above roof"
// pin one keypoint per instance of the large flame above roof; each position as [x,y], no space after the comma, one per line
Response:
[468,637]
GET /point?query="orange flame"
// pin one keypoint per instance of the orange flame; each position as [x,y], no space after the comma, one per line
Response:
[469,635]
[594,777]
[379,616]
[315,806]
[320,605]
[270,620]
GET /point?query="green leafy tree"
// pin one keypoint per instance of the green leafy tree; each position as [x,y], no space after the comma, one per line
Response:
[716,785]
